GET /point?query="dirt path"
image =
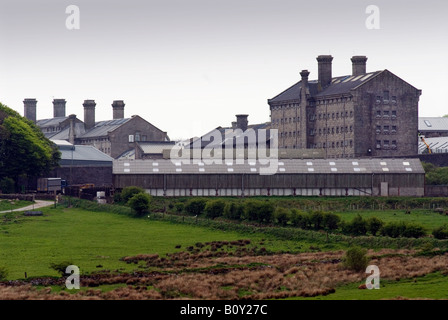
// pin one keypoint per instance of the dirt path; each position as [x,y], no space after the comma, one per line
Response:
[37,205]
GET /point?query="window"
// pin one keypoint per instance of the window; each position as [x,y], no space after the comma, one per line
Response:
[378,144]
[386,130]
[386,115]
[386,144]
[394,144]
[378,129]
[394,114]
[351,128]
[378,114]
[394,130]
[386,96]
[337,129]
[394,100]
[137,136]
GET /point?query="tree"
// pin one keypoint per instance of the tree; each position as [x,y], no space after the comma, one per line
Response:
[374,225]
[214,208]
[128,192]
[24,150]
[140,203]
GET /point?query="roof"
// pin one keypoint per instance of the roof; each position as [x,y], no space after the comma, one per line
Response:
[50,122]
[155,147]
[437,145]
[103,127]
[339,85]
[81,155]
[317,166]
[433,123]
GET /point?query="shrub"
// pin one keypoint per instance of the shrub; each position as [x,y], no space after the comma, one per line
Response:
[393,229]
[374,225]
[256,210]
[233,210]
[331,221]
[195,206]
[140,203]
[413,230]
[441,232]
[356,259]
[118,198]
[214,208]
[7,185]
[356,227]
[179,207]
[129,192]
[3,273]
[316,219]
[61,266]
[282,216]
[300,219]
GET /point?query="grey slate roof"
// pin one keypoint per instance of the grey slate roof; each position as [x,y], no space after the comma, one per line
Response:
[437,145]
[339,85]
[103,127]
[433,123]
[316,166]
[81,155]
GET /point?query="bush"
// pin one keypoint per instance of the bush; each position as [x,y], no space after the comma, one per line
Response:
[331,221]
[129,192]
[413,230]
[7,185]
[441,232]
[393,229]
[316,219]
[234,211]
[356,227]
[61,266]
[374,225]
[282,216]
[356,259]
[214,208]
[3,273]
[195,206]
[118,198]
[140,203]
[179,207]
[300,219]
[256,210]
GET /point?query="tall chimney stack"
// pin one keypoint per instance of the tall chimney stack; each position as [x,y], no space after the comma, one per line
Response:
[359,65]
[302,113]
[71,134]
[29,106]
[59,108]
[324,71]
[89,114]
[118,109]
[241,122]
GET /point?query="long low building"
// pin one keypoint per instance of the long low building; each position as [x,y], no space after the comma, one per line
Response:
[293,177]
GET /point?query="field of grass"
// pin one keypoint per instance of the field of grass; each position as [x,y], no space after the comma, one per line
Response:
[13,204]
[97,241]
[430,286]
[91,239]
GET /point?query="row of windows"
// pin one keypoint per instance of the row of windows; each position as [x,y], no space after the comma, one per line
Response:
[335,144]
[386,144]
[386,130]
[386,114]
[333,115]
[386,99]
[324,131]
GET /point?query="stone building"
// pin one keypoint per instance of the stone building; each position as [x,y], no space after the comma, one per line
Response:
[363,114]
[113,137]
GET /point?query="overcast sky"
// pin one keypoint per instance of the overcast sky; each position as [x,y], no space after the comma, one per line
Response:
[188,66]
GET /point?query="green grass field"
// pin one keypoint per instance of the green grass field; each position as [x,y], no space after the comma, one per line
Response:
[431,286]
[13,204]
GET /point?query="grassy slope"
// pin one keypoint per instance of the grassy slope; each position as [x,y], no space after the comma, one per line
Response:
[11,205]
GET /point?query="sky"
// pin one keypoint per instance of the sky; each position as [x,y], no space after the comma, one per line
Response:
[189,66]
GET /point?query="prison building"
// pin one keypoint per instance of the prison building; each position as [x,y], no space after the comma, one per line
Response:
[362,114]
[319,177]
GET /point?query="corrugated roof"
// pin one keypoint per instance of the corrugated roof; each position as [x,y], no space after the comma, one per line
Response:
[433,123]
[154,147]
[318,166]
[83,154]
[437,145]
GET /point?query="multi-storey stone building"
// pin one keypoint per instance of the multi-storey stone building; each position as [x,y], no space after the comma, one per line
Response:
[112,137]
[358,115]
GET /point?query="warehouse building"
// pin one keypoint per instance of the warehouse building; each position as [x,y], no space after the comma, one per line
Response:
[294,177]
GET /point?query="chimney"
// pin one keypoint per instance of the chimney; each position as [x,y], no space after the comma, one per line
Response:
[71,134]
[118,109]
[303,117]
[359,65]
[324,71]
[59,108]
[233,125]
[89,114]
[241,121]
[30,109]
